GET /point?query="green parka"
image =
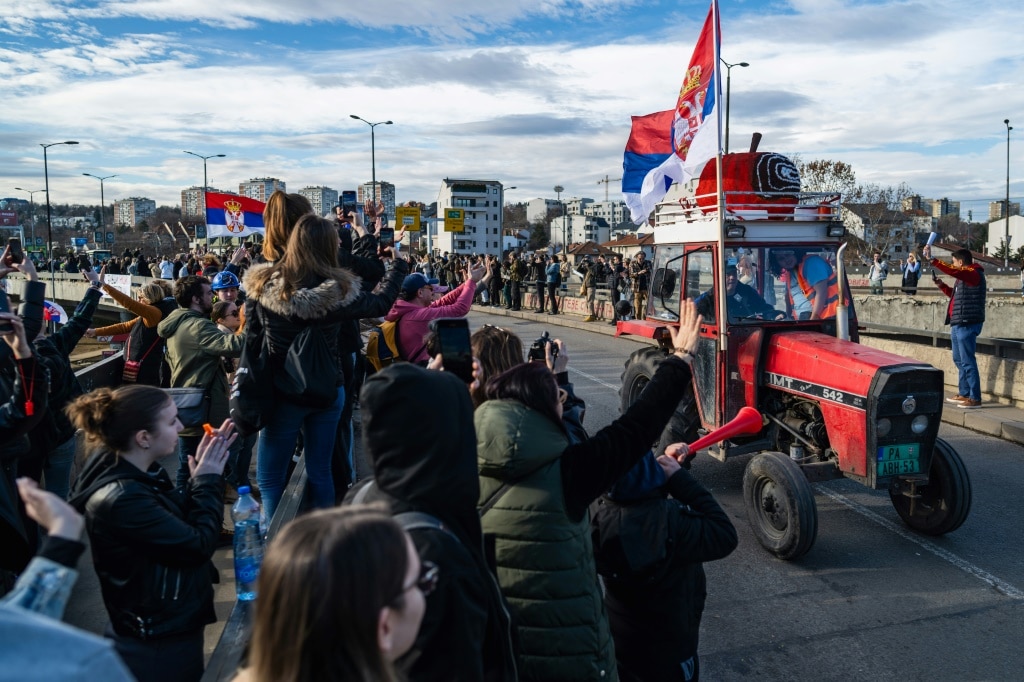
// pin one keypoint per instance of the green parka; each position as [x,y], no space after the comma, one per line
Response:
[195,347]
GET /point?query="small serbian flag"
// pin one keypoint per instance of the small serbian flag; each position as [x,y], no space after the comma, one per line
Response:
[229,215]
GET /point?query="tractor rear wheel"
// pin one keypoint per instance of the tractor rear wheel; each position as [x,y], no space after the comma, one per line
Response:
[780,505]
[944,502]
[639,368]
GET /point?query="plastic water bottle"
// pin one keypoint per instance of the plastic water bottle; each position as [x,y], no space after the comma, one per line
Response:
[248,544]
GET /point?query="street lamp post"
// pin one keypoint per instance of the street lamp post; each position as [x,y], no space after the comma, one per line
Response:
[32,204]
[558,193]
[49,213]
[1006,206]
[728,105]
[206,185]
[103,205]
[373,152]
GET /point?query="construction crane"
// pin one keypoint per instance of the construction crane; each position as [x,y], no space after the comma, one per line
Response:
[607,181]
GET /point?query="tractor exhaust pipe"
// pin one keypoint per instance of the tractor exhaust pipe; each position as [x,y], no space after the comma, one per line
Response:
[842,315]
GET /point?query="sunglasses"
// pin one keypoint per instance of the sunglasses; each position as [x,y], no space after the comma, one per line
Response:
[427,581]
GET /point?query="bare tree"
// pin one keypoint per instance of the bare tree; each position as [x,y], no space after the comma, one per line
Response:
[825,175]
[878,208]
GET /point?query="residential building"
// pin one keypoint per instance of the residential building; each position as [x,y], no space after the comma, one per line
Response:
[995,209]
[385,192]
[260,189]
[614,213]
[193,201]
[943,206]
[578,229]
[577,205]
[997,233]
[133,210]
[537,209]
[323,199]
[629,246]
[894,234]
[481,201]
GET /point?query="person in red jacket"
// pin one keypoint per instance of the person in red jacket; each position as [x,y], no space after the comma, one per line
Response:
[965,317]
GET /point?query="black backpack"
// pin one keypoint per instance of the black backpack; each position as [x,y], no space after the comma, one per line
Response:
[310,373]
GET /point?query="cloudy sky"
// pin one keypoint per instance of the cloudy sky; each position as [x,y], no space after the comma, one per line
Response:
[532,93]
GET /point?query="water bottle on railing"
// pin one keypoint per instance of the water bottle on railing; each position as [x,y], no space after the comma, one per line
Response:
[248,544]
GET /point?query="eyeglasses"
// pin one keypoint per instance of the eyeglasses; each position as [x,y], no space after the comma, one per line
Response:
[233,314]
[427,580]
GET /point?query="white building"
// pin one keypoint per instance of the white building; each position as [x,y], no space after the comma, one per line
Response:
[323,199]
[193,202]
[481,201]
[260,189]
[614,213]
[579,229]
[133,210]
[537,209]
[385,192]
[997,233]
[577,205]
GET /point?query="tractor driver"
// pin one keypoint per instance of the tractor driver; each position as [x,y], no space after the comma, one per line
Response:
[812,289]
[742,301]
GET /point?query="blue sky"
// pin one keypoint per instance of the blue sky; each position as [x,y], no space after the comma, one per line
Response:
[530,93]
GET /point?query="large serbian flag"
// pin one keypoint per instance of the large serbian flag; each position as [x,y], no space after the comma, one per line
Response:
[689,142]
[229,215]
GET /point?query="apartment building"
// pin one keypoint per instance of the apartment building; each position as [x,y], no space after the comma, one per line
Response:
[260,189]
[481,202]
[193,201]
[323,199]
[385,192]
[133,210]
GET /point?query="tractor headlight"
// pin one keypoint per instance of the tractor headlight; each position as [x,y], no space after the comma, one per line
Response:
[919,424]
[883,427]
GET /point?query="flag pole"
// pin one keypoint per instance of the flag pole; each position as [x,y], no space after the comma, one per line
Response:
[723,339]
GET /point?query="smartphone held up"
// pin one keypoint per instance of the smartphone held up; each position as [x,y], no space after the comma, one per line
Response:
[456,350]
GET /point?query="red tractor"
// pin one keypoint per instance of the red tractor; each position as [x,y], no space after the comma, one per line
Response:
[768,278]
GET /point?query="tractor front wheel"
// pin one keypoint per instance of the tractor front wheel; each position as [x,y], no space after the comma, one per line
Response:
[780,505]
[941,505]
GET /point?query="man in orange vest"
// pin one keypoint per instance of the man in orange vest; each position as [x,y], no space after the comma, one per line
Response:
[812,288]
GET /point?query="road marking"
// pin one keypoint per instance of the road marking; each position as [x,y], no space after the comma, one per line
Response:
[614,387]
[965,566]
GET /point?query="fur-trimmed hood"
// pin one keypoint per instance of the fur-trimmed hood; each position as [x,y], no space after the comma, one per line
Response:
[305,304]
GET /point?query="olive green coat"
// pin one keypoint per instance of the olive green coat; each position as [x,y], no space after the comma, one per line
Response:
[545,559]
[195,347]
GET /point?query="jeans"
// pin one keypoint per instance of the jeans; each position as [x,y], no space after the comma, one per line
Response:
[277,444]
[342,464]
[517,295]
[539,288]
[965,342]
[57,470]
[187,445]
[239,459]
[876,286]
[553,296]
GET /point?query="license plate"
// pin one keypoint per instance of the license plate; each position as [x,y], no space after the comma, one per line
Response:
[896,460]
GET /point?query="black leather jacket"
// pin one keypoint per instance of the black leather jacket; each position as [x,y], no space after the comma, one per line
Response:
[151,545]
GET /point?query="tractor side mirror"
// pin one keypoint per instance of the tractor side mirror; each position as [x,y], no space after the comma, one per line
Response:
[664,283]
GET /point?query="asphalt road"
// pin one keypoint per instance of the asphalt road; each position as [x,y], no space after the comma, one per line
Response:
[871,600]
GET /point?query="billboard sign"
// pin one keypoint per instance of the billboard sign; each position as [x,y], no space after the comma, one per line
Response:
[407,218]
[8,218]
[454,220]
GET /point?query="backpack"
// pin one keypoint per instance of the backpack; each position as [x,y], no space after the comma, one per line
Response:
[310,373]
[382,347]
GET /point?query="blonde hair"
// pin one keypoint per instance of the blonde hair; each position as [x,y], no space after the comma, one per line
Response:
[154,291]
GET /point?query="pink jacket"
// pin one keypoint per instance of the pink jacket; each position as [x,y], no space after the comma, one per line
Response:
[414,320]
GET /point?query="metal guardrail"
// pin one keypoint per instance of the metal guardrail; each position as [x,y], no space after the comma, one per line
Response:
[999,346]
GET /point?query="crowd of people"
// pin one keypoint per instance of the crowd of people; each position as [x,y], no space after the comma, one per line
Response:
[467,552]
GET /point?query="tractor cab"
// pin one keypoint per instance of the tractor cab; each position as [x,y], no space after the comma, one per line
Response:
[779,335]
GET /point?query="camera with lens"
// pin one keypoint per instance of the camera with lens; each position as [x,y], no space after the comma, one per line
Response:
[536,353]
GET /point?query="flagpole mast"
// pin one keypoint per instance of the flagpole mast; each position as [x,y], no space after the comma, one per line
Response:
[723,340]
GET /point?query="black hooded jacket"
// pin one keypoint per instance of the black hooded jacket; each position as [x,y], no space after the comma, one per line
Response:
[151,544]
[650,551]
[426,462]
